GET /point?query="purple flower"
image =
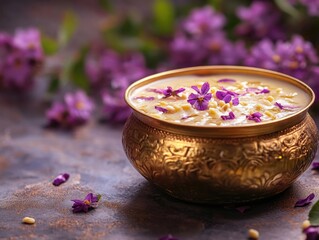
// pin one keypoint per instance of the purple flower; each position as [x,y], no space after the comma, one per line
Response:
[111,73]
[186,52]
[161,109]
[226,80]
[297,58]
[228,96]
[220,50]
[277,104]
[29,40]
[203,20]
[168,237]
[62,178]
[17,72]
[115,108]
[170,92]
[89,202]
[306,201]
[20,58]
[74,111]
[255,117]
[230,116]
[253,24]
[79,107]
[315,166]
[312,232]
[200,100]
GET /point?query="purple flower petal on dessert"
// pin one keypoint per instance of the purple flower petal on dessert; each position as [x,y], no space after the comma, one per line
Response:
[163,110]
[62,178]
[168,237]
[312,232]
[279,105]
[265,90]
[200,101]
[287,107]
[154,90]
[188,116]
[227,98]
[89,202]
[255,117]
[305,201]
[170,92]
[145,98]
[315,166]
[227,80]
[235,101]
[230,116]
[220,95]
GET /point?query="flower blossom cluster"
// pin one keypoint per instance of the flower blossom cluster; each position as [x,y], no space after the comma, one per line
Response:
[75,110]
[253,24]
[20,56]
[111,74]
[297,58]
[201,41]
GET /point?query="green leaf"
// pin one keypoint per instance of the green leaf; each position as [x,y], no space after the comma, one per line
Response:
[285,6]
[67,28]
[314,214]
[163,11]
[77,71]
[216,4]
[49,45]
[54,84]
[106,5]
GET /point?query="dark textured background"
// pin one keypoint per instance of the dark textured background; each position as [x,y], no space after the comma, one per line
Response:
[131,208]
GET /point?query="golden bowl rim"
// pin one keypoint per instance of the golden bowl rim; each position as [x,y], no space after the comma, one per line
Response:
[253,129]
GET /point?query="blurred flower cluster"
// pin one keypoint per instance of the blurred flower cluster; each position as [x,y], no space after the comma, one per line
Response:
[275,35]
[20,58]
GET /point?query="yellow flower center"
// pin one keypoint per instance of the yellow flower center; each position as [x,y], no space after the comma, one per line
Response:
[299,49]
[79,105]
[276,58]
[200,99]
[86,202]
[293,65]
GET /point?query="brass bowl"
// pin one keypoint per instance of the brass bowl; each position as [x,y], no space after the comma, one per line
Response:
[222,164]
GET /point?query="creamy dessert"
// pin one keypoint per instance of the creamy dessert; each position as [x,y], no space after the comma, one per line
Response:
[219,100]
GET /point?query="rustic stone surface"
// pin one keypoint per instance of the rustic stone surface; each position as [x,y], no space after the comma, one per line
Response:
[131,208]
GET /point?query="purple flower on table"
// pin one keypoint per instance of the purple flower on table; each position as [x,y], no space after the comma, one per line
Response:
[227,96]
[230,116]
[168,237]
[161,109]
[253,24]
[200,100]
[62,178]
[79,107]
[312,232]
[89,202]
[306,201]
[203,20]
[255,117]
[242,209]
[315,166]
[168,92]
[75,110]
